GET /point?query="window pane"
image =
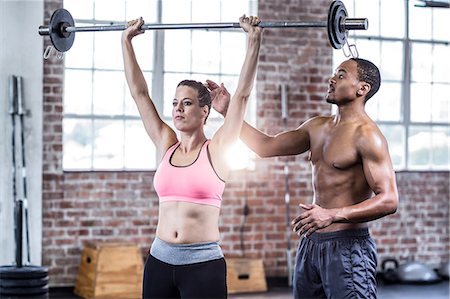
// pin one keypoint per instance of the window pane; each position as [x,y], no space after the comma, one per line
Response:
[420,22]
[419,147]
[441,63]
[395,137]
[429,147]
[81,53]
[78,92]
[386,104]
[440,24]
[177,51]
[440,147]
[108,144]
[140,153]
[205,52]
[420,64]
[85,11]
[107,50]
[233,48]
[421,102]
[108,93]
[440,102]
[77,144]
[371,11]
[392,22]
[231,10]
[176,11]
[103,10]
[130,105]
[143,47]
[205,11]
[391,67]
[141,8]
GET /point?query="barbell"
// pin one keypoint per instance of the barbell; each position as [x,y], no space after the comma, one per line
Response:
[61,27]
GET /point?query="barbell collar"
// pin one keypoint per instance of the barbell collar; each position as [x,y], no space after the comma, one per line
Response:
[355,24]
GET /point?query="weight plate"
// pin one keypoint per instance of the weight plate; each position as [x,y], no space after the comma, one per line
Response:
[337,14]
[61,40]
[23,272]
[23,282]
[23,291]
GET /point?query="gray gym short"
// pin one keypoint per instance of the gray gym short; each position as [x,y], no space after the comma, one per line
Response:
[338,264]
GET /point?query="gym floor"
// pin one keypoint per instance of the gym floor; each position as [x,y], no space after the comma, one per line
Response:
[391,291]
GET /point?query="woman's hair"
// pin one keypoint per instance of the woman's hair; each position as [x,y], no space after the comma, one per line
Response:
[368,72]
[204,98]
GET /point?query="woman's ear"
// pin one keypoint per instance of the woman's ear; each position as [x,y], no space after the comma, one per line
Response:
[206,111]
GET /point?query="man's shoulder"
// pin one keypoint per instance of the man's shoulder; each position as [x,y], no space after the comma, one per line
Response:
[318,120]
[367,128]
[369,136]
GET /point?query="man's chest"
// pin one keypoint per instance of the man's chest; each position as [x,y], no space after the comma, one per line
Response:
[335,148]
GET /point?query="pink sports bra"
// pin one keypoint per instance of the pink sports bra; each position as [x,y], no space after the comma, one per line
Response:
[196,183]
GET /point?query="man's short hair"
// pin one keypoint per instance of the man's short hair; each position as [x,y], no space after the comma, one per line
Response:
[369,73]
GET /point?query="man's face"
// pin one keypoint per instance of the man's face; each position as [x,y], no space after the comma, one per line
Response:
[344,84]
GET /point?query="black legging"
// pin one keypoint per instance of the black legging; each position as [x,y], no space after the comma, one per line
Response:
[199,280]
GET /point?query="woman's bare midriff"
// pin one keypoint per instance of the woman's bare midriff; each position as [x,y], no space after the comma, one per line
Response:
[187,223]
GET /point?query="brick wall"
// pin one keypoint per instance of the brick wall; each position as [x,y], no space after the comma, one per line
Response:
[420,228]
[122,206]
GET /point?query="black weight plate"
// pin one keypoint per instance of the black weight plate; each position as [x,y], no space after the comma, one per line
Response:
[61,40]
[25,283]
[337,35]
[23,272]
[23,291]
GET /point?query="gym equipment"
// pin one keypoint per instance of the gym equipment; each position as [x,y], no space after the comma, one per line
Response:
[20,281]
[61,27]
[409,272]
[287,196]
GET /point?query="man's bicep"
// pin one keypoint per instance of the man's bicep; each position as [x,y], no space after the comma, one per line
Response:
[291,142]
[377,163]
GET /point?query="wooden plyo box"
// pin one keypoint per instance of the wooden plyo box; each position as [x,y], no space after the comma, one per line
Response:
[110,270]
[245,275]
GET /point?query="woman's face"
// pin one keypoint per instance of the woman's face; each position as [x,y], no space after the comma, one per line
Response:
[187,115]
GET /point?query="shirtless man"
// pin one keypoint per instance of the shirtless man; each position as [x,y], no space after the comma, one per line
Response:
[353,181]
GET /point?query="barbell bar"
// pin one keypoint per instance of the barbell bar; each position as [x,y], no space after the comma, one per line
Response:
[61,27]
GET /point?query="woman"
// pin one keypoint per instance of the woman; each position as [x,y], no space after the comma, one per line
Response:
[185,260]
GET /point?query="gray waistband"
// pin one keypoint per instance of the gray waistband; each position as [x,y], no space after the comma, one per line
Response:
[184,254]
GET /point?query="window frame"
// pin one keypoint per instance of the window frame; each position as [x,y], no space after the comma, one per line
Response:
[406,122]
[158,72]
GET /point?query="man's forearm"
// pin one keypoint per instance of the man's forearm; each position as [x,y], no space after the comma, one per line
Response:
[254,138]
[368,210]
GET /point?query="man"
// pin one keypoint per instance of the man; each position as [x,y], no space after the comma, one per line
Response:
[353,181]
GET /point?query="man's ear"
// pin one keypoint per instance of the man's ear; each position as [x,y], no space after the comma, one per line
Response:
[363,89]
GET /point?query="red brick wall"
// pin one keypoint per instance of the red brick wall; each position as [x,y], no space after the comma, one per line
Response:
[122,206]
[420,228]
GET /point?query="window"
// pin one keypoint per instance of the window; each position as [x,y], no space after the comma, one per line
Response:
[102,127]
[411,46]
